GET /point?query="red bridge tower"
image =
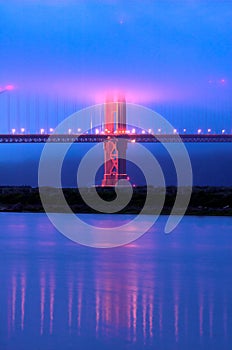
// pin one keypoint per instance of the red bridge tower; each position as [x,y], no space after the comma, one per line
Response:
[114,148]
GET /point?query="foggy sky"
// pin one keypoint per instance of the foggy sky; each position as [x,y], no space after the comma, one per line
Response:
[152,50]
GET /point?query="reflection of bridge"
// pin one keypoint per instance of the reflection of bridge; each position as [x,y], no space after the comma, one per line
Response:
[92,138]
[105,296]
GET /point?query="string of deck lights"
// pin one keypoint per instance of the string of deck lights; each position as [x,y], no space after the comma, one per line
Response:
[97,131]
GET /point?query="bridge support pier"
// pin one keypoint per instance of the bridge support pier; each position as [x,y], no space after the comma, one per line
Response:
[114,161]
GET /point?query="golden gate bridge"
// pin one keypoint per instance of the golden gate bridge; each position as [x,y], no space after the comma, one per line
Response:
[115,134]
[25,113]
[34,126]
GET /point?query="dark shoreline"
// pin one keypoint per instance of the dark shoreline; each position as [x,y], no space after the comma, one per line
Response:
[215,201]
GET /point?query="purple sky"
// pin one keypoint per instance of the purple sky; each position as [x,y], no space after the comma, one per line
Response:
[154,51]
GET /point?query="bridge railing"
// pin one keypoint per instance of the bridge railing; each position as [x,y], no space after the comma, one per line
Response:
[93,138]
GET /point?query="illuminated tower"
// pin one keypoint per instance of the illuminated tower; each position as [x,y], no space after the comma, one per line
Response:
[114,148]
[121,115]
[110,110]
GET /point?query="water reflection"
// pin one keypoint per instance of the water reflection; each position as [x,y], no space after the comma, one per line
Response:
[42,300]
[143,297]
[109,303]
[23,296]
[14,290]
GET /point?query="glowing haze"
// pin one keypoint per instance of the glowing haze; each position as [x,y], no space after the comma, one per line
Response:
[165,50]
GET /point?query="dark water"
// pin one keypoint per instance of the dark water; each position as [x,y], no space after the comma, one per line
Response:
[25,158]
[160,292]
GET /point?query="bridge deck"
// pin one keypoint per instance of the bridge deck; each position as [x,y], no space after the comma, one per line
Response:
[89,138]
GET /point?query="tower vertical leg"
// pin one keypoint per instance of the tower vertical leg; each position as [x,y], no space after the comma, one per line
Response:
[122,147]
[110,163]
